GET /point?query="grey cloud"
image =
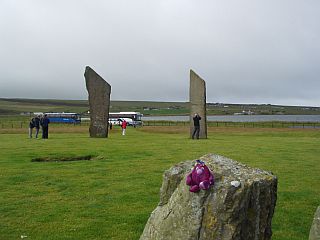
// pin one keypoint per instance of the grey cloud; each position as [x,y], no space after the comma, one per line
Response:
[247,51]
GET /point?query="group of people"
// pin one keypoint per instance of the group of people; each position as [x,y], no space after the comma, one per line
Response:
[38,121]
[44,121]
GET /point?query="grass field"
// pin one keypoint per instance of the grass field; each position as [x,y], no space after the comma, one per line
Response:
[112,196]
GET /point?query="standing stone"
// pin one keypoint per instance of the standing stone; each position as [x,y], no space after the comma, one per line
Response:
[99,101]
[198,103]
[239,206]
[315,228]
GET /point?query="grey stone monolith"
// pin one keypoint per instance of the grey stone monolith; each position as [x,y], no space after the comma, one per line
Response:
[99,101]
[315,228]
[197,93]
[239,206]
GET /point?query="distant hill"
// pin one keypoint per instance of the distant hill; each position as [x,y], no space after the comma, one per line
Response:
[19,106]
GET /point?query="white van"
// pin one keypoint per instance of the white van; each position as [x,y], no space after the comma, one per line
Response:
[118,121]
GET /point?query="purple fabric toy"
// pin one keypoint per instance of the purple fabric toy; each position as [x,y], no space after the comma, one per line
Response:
[200,177]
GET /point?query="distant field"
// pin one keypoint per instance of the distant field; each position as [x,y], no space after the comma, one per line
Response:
[18,106]
[112,197]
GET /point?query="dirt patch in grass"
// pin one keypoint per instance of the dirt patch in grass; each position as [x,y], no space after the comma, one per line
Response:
[64,158]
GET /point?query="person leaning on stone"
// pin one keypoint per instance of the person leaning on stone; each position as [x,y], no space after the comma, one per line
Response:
[31,126]
[37,124]
[45,126]
[196,124]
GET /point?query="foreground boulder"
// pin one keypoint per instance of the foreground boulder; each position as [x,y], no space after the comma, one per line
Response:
[240,205]
[315,228]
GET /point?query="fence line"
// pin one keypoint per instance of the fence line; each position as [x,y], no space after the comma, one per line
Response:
[239,124]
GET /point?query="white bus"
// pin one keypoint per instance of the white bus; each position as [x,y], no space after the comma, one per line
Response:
[132,118]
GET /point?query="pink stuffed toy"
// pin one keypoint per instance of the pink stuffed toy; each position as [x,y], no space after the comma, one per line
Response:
[200,177]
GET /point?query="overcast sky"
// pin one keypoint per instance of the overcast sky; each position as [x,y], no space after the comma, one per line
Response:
[247,51]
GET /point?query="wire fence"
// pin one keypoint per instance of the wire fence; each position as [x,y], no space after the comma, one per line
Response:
[239,124]
[307,125]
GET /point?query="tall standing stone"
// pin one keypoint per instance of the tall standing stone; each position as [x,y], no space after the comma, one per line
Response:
[99,101]
[198,103]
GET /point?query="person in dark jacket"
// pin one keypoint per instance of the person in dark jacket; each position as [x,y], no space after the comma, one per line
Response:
[37,124]
[196,124]
[45,126]
[31,126]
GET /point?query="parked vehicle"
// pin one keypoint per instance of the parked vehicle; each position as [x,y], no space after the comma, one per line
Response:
[132,118]
[64,117]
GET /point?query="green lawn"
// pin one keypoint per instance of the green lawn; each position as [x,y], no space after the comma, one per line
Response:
[112,197]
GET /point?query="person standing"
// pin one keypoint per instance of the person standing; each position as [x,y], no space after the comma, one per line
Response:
[196,124]
[37,124]
[45,126]
[124,126]
[31,126]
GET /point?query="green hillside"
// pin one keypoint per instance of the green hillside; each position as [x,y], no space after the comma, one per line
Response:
[19,106]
